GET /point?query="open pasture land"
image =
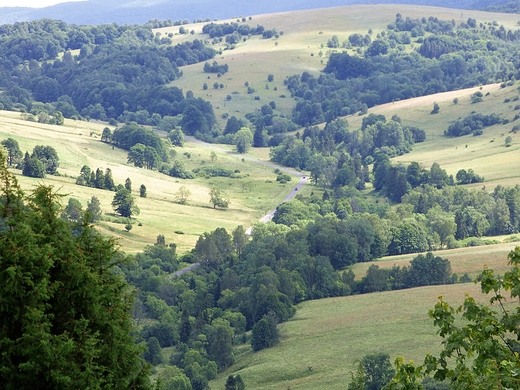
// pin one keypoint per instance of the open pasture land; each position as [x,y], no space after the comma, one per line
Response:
[486,154]
[321,343]
[78,143]
[305,34]
[470,260]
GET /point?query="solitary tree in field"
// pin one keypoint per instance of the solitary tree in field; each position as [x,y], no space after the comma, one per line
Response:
[106,136]
[217,198]
[182,195]
[142,191]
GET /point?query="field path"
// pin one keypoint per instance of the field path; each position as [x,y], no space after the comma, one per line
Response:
[267,217]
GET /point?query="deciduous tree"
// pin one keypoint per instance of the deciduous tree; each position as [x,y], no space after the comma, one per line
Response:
[217,198]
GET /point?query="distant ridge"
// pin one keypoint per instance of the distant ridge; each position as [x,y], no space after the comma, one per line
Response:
[141,11]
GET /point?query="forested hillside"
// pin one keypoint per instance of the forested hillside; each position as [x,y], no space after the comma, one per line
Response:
[161,96]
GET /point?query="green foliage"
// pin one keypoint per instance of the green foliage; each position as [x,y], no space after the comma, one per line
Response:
[123,203]
[48,156]
[217,198]
[182,195]
[215,171]
[215,68]
[481,352]
[65,319]
[94,209]
[73,211]
[132,135]
[14,154]
[106,136]
[373,373]
[265,334]
[176,136]
[178,170]
[407,238]
[471,124]
[33,167]
[243,140]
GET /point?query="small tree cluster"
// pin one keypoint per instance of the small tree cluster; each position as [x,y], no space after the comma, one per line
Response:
[215,68]
[98,179]
[43,159]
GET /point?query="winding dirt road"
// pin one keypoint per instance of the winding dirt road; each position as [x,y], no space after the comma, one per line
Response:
[267,217]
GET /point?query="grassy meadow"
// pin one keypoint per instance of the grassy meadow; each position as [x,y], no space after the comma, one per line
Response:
[305,34]
[321,343]
[487,154]
[78,143]
[470,260]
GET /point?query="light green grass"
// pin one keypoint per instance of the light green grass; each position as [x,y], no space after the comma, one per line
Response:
[78,143]
[487,154]
[329,335]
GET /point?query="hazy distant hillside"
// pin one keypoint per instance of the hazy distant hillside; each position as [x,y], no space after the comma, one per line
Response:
[141,11]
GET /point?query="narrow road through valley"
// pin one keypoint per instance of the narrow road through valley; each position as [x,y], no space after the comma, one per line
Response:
[267,217]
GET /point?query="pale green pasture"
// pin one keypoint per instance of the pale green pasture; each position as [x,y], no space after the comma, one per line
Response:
[296,50]
[487,154]
[78,144]
[321,343]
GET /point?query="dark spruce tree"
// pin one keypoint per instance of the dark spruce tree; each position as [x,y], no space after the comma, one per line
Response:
[64,314]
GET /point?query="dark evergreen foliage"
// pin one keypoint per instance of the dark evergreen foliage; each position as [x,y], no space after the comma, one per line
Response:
[65,319]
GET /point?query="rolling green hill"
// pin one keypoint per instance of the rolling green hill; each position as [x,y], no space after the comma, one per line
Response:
[321,343]
[305,34]
[78,143]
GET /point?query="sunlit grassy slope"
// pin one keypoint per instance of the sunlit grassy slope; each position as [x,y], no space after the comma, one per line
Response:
[305,34]
[78,143]
[322,342]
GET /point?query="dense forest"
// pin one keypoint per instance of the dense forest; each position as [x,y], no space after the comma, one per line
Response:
[119,73]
